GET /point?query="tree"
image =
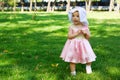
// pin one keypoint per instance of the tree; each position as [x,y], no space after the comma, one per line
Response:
[14,9]
[118,5]
[30,9]
[12,3]
[53,5]
[2,5]
[111,5]
[48,6]
[88,4]
[35,5]
[22,5]
[8,2]
[68,5]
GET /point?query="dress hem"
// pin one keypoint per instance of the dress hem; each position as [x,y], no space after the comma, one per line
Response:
[79,61]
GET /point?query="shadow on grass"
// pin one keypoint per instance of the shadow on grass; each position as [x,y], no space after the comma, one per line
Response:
[34,55]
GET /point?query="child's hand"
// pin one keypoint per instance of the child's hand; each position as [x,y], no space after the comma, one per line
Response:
[83,31]
[79,32]
[85,34]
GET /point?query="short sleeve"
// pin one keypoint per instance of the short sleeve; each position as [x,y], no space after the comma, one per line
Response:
[86,30]
[70,31]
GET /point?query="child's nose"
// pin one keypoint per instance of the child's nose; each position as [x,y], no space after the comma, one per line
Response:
[75,18]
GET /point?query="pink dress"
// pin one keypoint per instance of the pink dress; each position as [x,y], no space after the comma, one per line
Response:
[78,50]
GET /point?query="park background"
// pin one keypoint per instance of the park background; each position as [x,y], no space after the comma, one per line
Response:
[31,43]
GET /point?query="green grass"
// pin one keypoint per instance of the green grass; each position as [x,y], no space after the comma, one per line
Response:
[30,46]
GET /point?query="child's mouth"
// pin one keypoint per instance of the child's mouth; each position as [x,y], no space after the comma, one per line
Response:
[75,21]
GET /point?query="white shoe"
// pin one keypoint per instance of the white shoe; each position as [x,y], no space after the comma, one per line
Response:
[88,69]
[73,73]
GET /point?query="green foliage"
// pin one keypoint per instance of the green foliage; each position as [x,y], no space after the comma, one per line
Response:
[118,1]
[30,48]
[91,0]
[39,0]
[11,2]
[4,0]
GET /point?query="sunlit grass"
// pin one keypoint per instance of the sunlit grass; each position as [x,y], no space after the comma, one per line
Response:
[30,46]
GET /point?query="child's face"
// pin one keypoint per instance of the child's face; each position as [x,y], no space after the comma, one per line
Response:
[76,18]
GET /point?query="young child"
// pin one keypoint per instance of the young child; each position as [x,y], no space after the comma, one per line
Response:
[77,49]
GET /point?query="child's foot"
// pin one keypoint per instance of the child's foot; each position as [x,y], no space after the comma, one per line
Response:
[88,69]
[73,73]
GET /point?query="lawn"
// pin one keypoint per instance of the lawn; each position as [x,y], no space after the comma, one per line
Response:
[30,46]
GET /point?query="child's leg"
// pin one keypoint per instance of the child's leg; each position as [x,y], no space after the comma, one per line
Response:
[88,68]
[72,68]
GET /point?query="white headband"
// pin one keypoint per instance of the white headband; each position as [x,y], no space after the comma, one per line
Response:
[82,13]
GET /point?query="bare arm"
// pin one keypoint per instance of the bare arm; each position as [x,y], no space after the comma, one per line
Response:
[87,36]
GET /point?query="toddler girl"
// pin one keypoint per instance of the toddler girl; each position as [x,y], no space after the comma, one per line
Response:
[77,49]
